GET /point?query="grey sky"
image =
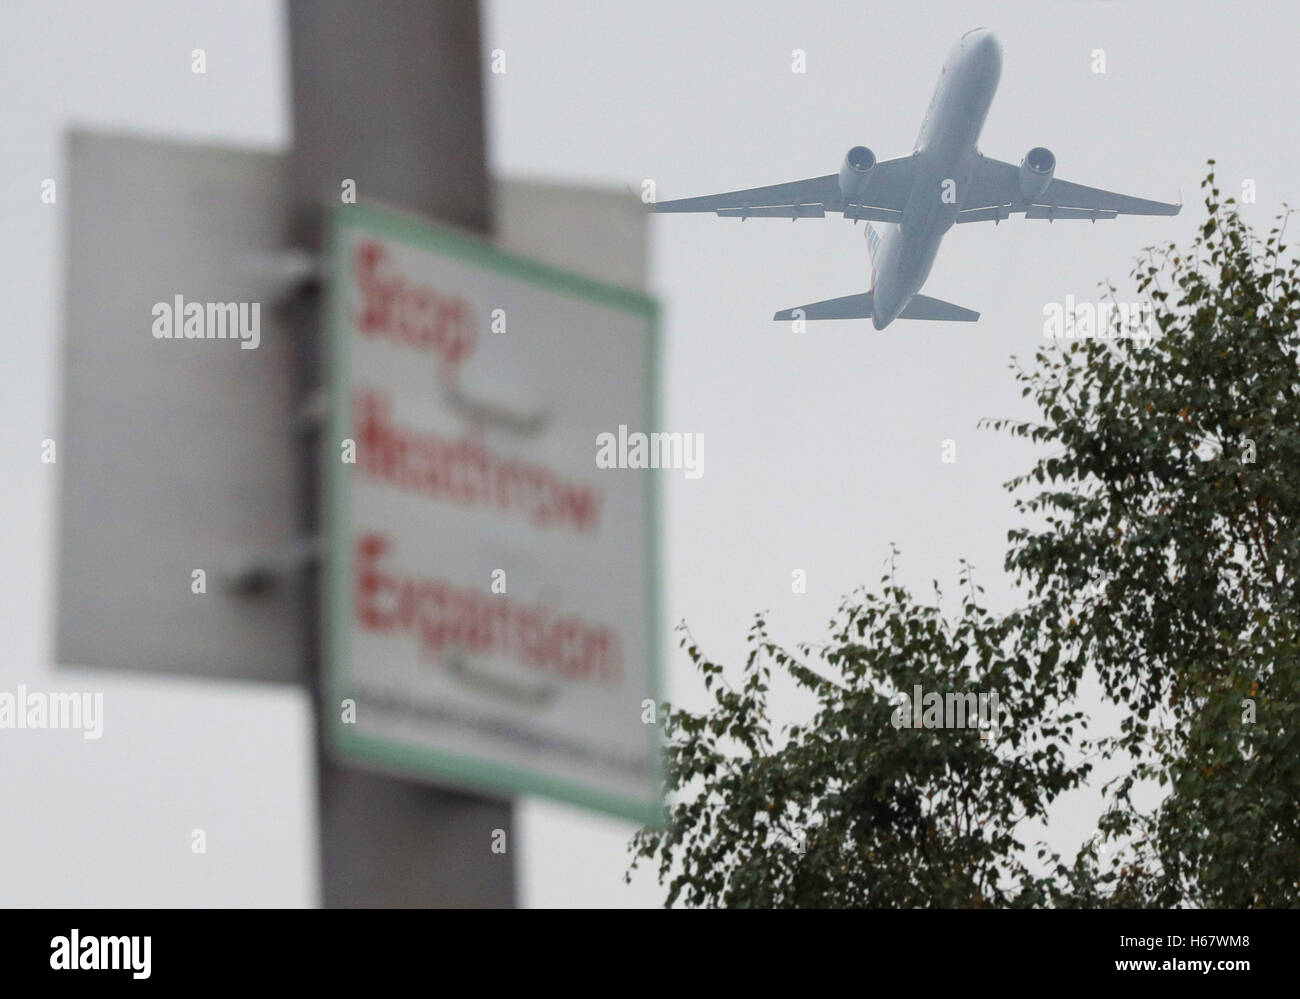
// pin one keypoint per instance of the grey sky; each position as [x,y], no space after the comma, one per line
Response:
[822,448]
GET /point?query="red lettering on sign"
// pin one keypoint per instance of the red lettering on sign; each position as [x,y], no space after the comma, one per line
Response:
[444,616]
[408,313]
[465,471]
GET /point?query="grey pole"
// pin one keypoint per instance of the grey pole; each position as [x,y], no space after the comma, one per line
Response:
[388,94]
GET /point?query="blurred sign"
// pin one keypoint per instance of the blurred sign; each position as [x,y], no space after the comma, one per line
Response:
[491,592]
[178,462]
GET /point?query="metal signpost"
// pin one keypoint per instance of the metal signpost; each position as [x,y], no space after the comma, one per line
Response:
[181,456]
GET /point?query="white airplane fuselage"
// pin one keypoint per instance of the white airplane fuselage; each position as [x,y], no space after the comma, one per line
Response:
[946,157]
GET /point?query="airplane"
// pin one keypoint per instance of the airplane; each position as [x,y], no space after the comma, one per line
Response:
[918,198]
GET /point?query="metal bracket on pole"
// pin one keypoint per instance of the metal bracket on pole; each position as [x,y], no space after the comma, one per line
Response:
[258,573]
[313,411]
[280,274]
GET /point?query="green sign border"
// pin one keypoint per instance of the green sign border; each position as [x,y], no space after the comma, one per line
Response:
[398,757]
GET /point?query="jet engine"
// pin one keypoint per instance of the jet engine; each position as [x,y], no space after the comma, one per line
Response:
[1036,171]
[856,172]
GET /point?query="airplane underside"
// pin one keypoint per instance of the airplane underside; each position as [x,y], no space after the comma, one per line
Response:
[944,182]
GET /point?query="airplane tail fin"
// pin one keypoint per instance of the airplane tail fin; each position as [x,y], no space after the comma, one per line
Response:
[859,307]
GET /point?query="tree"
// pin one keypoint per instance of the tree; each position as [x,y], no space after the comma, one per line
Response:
[1160,552]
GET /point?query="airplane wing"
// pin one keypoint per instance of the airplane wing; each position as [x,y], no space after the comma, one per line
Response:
[995,193]
[886,194]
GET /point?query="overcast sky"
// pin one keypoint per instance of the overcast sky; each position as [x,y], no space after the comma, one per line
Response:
[822,449]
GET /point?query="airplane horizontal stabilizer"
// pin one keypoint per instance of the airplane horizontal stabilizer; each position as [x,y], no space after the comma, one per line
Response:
[925,307]
[847,307]
[859,307]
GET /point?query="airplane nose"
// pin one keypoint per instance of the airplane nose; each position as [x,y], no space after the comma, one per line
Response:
[988,48]
[981,53]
